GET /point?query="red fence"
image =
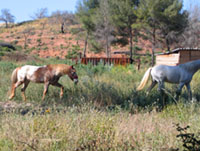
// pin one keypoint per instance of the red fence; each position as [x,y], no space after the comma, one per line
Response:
[109,61]
[115,61]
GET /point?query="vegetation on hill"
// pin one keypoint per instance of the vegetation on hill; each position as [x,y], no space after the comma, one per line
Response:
[105,26]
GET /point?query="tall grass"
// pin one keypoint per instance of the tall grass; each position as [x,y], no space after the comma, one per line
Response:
[102,112]
[86,128]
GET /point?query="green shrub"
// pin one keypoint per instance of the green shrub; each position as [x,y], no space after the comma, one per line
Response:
[95,46]
[2,54]
[39,41]
[5,49]
[18,47]
[136,48]
[28,50]
[74,31]
[45,48]
[74,52]
[61,46]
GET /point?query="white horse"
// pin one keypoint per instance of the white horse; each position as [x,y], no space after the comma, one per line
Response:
[181,74]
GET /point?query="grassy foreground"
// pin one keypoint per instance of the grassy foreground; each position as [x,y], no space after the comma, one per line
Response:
[103,112]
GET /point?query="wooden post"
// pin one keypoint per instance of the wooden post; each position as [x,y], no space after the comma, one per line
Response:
[138,64]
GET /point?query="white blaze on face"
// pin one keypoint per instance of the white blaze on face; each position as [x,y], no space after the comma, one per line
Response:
[27,71]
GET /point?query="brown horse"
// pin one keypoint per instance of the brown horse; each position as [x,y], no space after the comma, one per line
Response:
[49,75]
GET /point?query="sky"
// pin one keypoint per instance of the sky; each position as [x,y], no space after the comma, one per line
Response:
[24,9]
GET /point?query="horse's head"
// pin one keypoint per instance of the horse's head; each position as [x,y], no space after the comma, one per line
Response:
[72,74]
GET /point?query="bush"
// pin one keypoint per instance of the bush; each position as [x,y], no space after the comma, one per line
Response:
[45,48]
[18,47]
[39,41]
[2,54]
[136,48]
[74,52]
[4,50]
[74,31]
[95,46]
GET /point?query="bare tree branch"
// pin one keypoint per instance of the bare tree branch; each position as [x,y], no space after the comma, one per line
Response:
[7,17]
[191,35]
[41,13]
[62,18]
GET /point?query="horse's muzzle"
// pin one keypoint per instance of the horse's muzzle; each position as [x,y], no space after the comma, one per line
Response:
[75,81]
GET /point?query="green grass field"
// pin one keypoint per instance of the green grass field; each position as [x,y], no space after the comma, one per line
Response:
[103,112]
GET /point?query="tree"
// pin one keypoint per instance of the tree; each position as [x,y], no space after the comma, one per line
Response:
[191,34]
[85,12]
[124,16]
[161,17]
[41,13]
[104,27]
[7,17]
[62,18]
[149,22]
[26,33]
[172,20]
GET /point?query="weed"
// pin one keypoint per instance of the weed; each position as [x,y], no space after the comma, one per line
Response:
[191,142]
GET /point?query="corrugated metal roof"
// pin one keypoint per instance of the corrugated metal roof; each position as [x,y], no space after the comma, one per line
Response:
[179,49]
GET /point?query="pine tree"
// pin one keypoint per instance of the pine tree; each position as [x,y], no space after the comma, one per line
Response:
[124,16]
[161,18]
[104,27]
[85,12]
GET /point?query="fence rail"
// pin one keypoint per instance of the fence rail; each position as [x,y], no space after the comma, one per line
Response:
[108,61]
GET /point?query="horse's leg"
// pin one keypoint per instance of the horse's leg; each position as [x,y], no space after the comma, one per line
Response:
[153,83]
[14,86]
[12,94]
[189,91]
[61,88]
[46,86]
[26,82]
[161,90]
[178,92]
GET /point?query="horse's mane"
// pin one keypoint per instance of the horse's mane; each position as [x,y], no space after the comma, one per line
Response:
[62,68]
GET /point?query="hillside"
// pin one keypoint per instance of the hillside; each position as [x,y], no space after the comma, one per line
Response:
[45,40]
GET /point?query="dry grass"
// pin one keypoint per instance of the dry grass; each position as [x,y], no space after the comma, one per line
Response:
[103,112]
[88,129]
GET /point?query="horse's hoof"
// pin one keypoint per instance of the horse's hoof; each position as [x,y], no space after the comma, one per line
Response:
[61,96]
[10,98]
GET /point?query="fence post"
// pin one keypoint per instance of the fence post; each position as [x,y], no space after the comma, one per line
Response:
[138,64]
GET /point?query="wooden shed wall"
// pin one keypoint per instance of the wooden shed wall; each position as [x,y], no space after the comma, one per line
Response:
[186,56]
[167,59]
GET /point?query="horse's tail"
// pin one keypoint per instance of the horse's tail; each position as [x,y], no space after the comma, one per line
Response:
[144,79]
[14,76]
